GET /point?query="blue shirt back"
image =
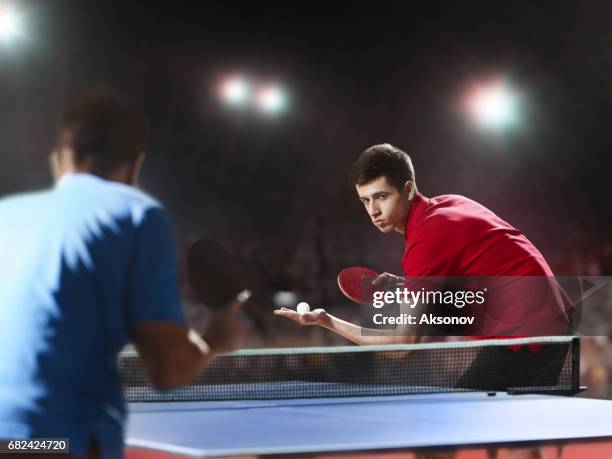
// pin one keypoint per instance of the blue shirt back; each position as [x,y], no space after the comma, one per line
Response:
[80,264]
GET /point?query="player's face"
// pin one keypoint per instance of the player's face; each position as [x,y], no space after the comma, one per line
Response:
[386,205]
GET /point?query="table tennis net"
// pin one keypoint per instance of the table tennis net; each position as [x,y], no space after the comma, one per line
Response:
[537,365]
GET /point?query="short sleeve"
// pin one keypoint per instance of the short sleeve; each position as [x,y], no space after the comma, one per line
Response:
[152,289]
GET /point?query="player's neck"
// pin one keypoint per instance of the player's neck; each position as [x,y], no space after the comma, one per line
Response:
[125,173]
[402,227]
[120,175]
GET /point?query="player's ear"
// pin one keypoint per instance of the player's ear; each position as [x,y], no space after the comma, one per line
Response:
[135,167]
[410,189]
[54,165]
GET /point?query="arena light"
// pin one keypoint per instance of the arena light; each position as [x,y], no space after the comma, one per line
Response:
[10,24]
[493,105]
[271,99]
[235,91]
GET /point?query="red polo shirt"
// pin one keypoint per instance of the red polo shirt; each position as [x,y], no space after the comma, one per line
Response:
[451,235]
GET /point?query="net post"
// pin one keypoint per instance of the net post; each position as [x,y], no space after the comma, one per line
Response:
[576,365]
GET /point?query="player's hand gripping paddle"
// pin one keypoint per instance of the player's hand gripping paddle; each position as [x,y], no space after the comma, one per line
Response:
[356,283]
[214,275]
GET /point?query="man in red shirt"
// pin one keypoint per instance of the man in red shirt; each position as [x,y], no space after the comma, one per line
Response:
[452,236]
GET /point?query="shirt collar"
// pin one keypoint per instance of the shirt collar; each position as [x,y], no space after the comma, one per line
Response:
[77,177]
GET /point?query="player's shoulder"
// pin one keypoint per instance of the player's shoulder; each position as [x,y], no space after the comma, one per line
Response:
[457,212]
[142,208]
[22,201]
[452,201]
[453,205]
[115,197]
[134,196]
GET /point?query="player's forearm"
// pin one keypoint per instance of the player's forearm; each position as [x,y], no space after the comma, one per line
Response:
[188,359]
[355,333]
[192,352]
[171,354]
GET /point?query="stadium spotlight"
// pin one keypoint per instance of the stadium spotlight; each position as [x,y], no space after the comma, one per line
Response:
[235,91]
[493,105]
[10,24]
[271,99]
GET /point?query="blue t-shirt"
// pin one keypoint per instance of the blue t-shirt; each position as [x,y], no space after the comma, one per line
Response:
[79,265]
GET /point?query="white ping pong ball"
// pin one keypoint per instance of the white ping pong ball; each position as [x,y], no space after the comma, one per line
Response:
[303,307]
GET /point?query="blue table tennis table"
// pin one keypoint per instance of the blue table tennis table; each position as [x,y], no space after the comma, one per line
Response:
[351,424]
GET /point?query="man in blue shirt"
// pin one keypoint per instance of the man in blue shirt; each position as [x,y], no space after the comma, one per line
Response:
[88,266]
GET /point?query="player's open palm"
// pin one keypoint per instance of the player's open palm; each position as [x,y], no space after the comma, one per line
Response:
[315,317]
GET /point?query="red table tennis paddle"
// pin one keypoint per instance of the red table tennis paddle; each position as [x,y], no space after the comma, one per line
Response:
[356,283]
[214,275]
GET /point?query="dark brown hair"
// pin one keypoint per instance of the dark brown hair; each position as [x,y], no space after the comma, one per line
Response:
[105,126]
[383,160]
